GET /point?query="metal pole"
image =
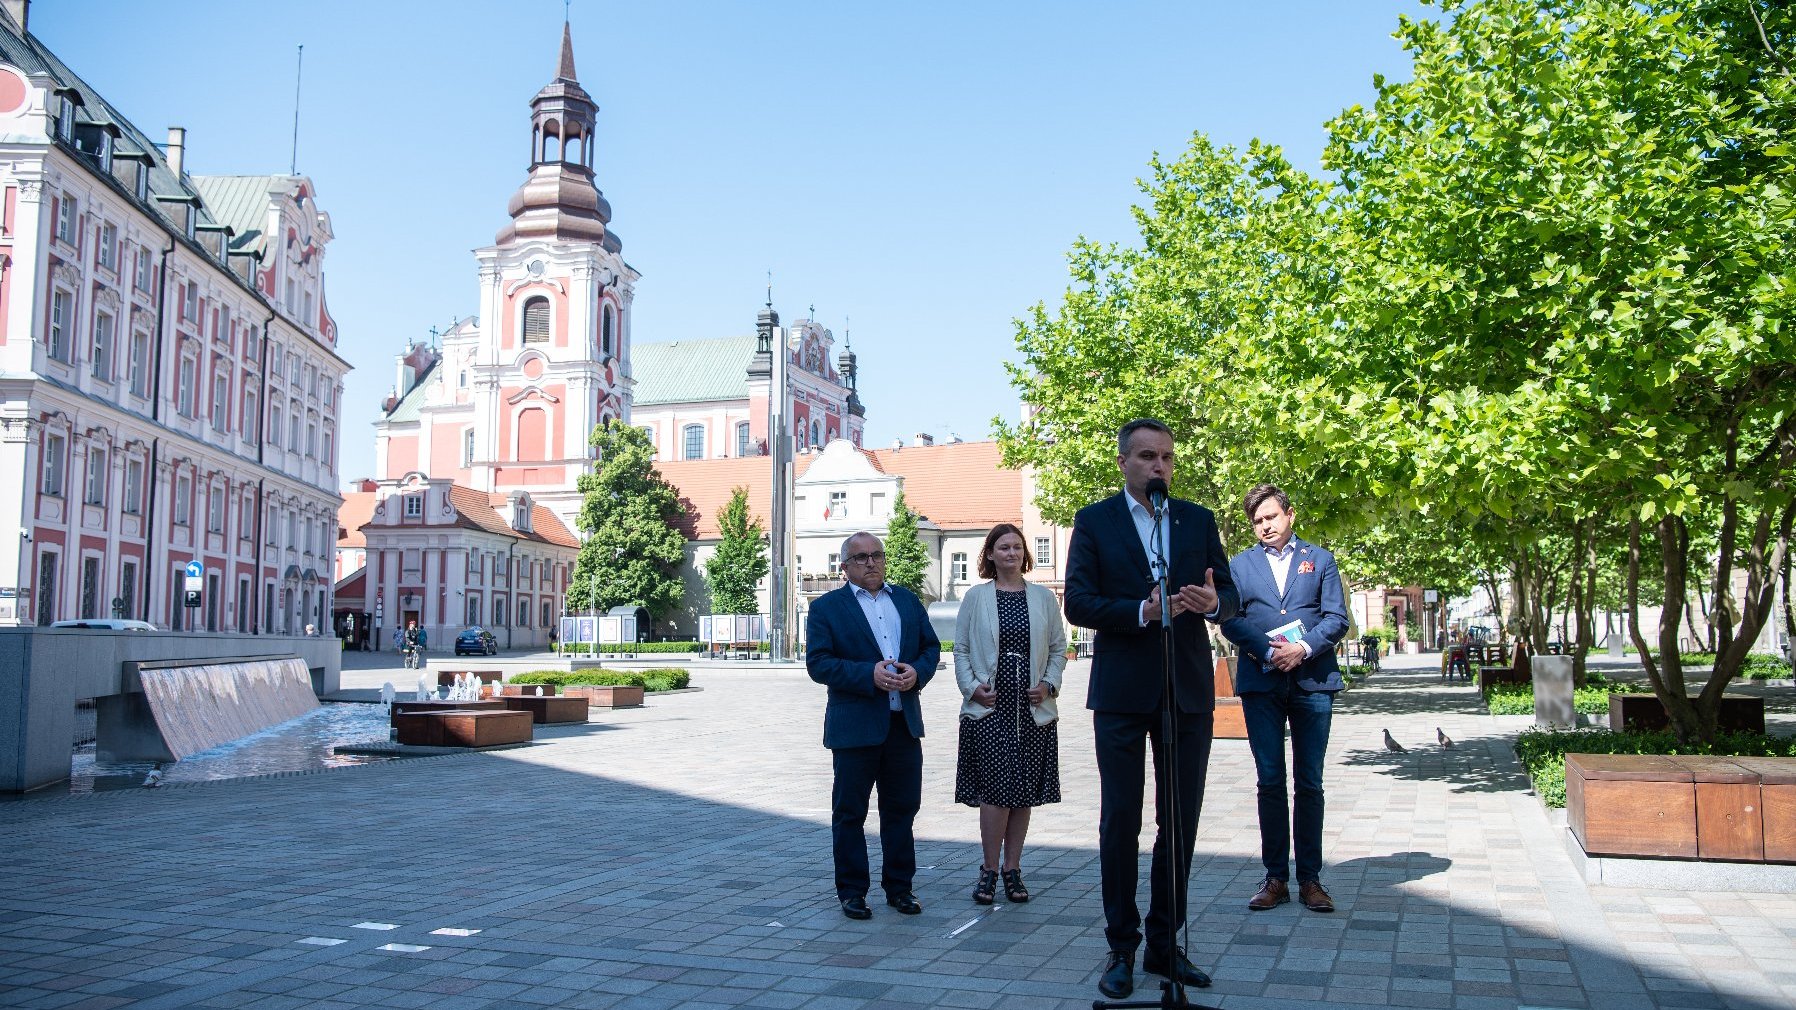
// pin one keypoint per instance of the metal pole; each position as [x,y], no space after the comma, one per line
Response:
[780,448]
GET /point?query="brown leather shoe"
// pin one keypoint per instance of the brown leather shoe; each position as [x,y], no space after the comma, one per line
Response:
[1273,893]
[1313,897]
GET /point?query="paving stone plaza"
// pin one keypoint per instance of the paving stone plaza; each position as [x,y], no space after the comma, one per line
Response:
[678,855]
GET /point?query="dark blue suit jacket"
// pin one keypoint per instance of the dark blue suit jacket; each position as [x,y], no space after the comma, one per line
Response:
[1107,577]
[1313,597]
[840,653]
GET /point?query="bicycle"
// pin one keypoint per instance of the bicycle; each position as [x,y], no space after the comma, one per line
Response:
[413,658]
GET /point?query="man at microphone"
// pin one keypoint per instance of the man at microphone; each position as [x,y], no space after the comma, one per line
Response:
[1113,566]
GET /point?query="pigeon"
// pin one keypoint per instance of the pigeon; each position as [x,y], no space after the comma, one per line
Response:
[1446,741]
[1391,744]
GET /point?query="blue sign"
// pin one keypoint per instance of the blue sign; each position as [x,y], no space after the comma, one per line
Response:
[195,569]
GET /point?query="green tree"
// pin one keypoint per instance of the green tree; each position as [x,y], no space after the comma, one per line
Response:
[631,517]
[1571,276]
[741,558]
[907,560]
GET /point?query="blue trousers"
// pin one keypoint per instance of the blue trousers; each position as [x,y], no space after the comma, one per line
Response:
[1284,825]
[895,767]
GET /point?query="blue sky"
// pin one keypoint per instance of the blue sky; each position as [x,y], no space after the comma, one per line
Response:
[918,171]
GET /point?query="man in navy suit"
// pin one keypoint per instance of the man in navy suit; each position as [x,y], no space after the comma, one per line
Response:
[1291,679]
[870,643]
[1111,588]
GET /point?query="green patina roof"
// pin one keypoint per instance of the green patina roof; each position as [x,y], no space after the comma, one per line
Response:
[407,407]
[241,201]
[689,371]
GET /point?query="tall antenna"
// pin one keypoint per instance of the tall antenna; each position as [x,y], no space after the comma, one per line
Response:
[298,67]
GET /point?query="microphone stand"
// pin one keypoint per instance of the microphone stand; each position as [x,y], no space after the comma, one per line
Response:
[1172,990]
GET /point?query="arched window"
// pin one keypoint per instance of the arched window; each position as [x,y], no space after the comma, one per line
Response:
[606,331]
[816,434]
[694,435]
[742,438]
[536,320]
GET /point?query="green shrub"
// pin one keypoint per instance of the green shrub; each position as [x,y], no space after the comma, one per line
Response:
[1764,666]
[1591,699]
[649,680]
[636,648]
[1542,751]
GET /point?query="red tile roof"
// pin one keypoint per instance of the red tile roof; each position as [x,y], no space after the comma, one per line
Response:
[482,510]
[957,486]
[357,509]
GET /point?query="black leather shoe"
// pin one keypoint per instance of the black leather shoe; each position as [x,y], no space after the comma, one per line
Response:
[906,904]
[1118,979]
[856,908]
[1188,973]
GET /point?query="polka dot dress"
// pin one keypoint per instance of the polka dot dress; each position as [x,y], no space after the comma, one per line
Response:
[1005,758]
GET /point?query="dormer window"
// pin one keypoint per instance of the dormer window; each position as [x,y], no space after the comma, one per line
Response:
[142,186]
[414,506]
[65,115]
[520,515]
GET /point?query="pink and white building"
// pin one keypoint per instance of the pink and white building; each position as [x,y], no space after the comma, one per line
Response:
[169,376]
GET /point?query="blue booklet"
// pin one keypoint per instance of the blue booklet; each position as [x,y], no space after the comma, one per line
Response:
[1292,633]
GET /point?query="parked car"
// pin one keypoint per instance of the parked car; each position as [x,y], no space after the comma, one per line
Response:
[476,642]
[106,624]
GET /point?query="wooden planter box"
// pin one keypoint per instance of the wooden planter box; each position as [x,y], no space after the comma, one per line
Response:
[606,697]
[549,708]
[1231,722]
[1682,807]
[463,728]
[524,690]
[1644,712]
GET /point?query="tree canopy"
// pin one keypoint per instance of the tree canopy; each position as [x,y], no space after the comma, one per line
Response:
[631,518]
[1535,320]
[741,559]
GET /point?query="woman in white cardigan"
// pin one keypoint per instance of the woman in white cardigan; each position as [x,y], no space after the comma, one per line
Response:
[1009,654]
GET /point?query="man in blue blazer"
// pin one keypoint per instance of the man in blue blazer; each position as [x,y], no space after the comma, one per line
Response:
[1291,679]
[1111,588]
[870,643]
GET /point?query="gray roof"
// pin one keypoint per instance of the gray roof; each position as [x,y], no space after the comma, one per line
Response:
[692,371]
[33,57]
[241,201]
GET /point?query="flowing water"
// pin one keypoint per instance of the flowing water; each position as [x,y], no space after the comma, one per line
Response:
[304,743]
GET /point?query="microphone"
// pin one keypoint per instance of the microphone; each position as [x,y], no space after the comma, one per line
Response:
[1156,495]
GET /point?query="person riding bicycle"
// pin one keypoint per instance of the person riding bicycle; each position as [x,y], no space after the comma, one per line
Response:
[413,639]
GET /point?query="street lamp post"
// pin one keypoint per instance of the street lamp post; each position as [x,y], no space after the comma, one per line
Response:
[779,444]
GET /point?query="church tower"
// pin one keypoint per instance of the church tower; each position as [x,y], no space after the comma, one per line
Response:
[550,359]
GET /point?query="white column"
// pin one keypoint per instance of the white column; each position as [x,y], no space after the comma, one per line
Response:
[429,616]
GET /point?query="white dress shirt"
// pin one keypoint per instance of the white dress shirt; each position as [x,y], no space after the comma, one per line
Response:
[882,617]
[1279,559]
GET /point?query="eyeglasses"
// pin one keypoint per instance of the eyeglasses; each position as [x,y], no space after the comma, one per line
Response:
[877,557]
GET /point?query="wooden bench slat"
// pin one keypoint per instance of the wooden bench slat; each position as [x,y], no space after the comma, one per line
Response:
[1628,767]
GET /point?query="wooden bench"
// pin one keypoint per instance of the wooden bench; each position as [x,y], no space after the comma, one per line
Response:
[463,727]
[446,678]
[548,708]
[1738,714]
[408,707]
[1733,809]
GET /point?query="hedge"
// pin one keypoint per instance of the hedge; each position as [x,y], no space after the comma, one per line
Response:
[1542,751]
[1591,699]
[637,648]
[648,680]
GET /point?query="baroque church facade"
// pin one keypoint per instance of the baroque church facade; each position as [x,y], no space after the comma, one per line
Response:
[471,517]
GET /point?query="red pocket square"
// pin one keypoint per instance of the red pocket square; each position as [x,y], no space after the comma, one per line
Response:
[1306,567]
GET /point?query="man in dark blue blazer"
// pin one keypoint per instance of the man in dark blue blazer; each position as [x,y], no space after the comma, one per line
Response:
[1111,588]
[870,643]
[1289,679]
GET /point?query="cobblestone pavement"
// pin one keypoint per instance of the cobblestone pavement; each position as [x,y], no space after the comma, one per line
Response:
[678,855]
